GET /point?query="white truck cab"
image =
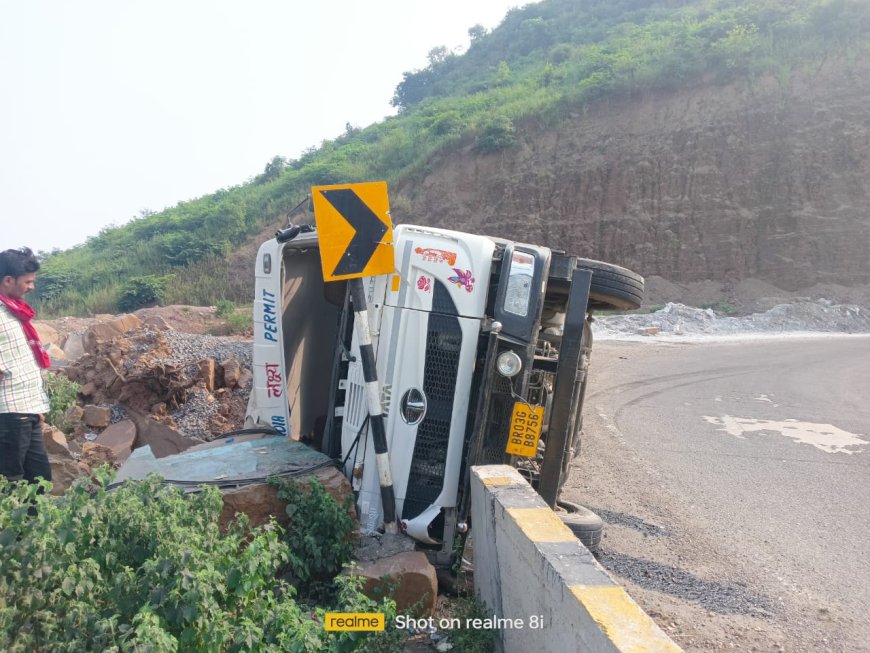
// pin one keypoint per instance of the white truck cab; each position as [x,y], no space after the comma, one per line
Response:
[481,348]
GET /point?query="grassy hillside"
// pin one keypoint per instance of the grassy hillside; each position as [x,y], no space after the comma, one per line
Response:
[544,61]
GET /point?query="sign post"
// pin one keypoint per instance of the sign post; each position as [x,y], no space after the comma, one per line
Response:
[355,235]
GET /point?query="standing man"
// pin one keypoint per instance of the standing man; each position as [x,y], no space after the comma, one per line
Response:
[23,401]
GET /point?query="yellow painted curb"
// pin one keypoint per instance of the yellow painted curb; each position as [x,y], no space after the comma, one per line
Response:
[541,525]
[494,481]
[628,627]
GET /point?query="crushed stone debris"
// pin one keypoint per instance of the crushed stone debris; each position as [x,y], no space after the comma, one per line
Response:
[681,322]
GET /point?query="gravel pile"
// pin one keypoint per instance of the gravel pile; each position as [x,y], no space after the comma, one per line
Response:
[193,416]
[190,348]
[187,349]
[677,321]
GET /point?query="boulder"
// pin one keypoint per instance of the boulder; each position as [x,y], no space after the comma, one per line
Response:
[232,371]
[73,416]
[74,347]
[88,389]
[126,322]
[95,455]
[260,502]
[107,331]
[47,335]
[163,440]
[97,416]
[245,378]
[409,578]
[55,440]
[55,352]
[64,467]
[120,438]
[157,322]
[206,373]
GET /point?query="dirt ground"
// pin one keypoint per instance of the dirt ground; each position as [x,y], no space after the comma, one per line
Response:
[187,319]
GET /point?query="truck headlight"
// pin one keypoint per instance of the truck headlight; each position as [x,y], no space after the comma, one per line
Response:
[519,284]
[508,363]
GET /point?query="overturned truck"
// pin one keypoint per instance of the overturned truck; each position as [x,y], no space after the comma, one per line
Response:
[482,348]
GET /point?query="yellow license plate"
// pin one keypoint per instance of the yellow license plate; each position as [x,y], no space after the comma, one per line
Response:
[525,430]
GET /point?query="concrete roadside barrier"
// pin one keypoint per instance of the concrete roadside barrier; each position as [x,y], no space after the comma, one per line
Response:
[546,591]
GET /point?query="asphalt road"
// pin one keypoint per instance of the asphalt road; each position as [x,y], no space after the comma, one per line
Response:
[734,479]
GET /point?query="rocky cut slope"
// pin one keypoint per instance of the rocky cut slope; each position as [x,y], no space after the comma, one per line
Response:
[768,179]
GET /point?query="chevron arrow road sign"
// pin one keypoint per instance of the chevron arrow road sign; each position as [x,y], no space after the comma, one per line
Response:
[354,230]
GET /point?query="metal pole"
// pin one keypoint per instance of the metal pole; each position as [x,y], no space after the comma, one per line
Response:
[373,398]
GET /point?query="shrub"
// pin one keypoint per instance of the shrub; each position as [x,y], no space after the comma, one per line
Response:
[142,291]
[236,321]
[240,323]
[145,567]
[319,532]
[465,638]
[447,122]
[496,134]
[62,393]
[225,308]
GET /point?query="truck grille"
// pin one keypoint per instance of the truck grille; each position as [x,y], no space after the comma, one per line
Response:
[426,477]
[501,405]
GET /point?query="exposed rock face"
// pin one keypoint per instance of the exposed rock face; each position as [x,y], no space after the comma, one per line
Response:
[769,180]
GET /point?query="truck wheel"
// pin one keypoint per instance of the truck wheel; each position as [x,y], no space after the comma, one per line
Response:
[584,523]
[613,286]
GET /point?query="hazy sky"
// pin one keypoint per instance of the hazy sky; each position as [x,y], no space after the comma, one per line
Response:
[109,107]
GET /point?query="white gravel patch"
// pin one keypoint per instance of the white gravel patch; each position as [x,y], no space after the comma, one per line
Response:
[680,323]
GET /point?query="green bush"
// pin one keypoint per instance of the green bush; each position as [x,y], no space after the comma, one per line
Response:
[496,134]
[225,308]
[448,122]
[467,639]
[62,393]
[145,567]
[236,321]
[142,291]
[319,532]
[240,323]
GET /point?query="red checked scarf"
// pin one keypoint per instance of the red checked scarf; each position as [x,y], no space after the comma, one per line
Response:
[25,313]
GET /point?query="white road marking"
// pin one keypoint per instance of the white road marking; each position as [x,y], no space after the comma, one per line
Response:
[825,437]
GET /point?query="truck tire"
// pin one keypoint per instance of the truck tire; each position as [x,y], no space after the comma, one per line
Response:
[584,523]
[613,287]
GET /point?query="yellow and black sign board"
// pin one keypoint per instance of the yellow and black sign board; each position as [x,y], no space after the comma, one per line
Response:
[354,230]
